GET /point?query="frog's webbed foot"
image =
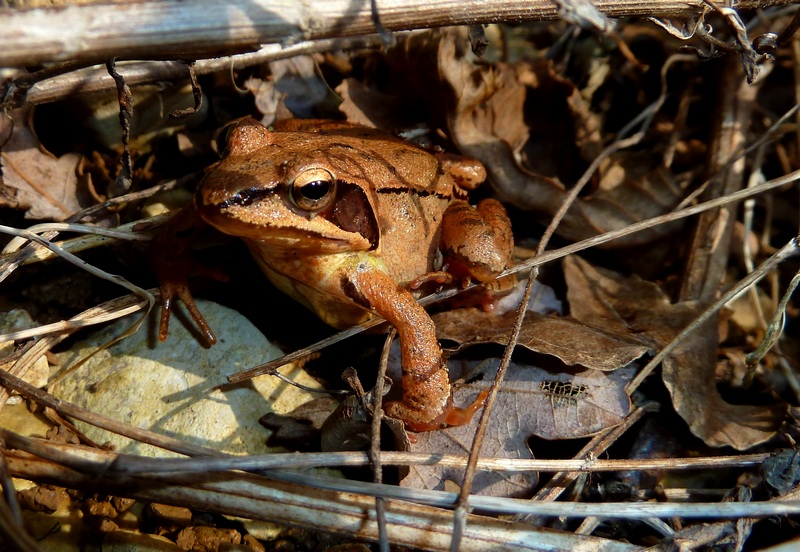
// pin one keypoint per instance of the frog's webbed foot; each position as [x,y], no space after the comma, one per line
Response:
[172,262]
[451,416]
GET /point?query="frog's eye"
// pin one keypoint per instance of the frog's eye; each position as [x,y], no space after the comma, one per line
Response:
[313,190]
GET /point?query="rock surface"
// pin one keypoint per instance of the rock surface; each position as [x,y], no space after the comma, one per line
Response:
[178,388]
[15,320]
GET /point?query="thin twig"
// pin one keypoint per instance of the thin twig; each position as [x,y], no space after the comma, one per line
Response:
[774,328]
[12,534]
[65,408]
[133,231]
[497,505]
[469,474]
[132,464]
[777,129]
[748,217]
[599,443]
[92,80]
[9,496]
[124,179]
[375,434]
[32,252]
[606,237]
[147,298]
[644,119]
[707,254]
[259,498]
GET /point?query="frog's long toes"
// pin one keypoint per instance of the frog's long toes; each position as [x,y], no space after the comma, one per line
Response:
[462,416]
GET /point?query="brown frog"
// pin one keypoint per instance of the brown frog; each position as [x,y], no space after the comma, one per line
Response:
[351,221]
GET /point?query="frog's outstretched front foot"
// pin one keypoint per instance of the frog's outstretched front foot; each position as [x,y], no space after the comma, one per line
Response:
[450,417]
[172,261]
[170,289]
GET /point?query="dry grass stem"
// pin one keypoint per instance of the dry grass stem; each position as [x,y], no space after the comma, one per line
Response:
[257,497]
[147,299]
[789,250]
[239,488]
[165,29]
[569,200]
[95,79]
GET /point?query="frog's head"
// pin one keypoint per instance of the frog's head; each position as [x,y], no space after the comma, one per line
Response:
[289,190]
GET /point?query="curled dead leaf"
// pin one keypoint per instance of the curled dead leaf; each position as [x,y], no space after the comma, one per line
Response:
[571,341]
[531,402]
[689,375]
[33,179]
[689,371]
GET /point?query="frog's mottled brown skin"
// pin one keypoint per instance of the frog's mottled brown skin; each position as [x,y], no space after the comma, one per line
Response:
[345,219]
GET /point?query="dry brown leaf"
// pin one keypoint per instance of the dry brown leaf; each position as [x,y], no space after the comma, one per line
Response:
[299,82]
[572,341]
[369,107]
[266,97]
[568,404]
[563,129]
[295,88]
[689,372]
[604,298]
[588,125]
[531,401]
[634,191]
[32,178]
[506,437]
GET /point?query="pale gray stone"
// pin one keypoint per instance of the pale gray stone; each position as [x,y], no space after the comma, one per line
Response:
[178,388]
[12,321]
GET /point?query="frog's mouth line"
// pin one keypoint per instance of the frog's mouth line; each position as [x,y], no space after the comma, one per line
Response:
[283,238]
[237,220]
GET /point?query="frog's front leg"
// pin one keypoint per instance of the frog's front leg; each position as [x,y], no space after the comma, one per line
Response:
[427,401]
[476,241]
[170,255]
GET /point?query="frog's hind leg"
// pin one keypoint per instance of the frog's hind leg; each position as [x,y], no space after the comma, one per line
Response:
[427,403]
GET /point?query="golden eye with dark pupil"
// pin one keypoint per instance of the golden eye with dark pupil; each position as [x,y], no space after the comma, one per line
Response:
[313,190]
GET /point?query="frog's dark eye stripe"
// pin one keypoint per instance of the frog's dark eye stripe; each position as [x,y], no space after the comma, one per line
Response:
[246,197]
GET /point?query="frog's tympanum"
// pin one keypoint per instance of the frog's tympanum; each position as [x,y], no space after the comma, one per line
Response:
[351,221]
